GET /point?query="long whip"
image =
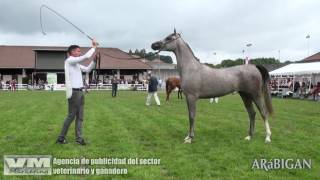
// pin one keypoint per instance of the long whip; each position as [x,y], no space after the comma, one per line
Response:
[61,16]
[82,32]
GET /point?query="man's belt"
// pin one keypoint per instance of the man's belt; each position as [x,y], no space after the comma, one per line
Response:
[77,89]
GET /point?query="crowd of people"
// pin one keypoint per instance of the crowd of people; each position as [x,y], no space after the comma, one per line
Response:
[299,89]
[9,85]
[108,80]
[38,84]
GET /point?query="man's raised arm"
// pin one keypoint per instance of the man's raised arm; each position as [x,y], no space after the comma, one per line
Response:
[74,60]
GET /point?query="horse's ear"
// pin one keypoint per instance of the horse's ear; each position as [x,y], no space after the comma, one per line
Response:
[174,31]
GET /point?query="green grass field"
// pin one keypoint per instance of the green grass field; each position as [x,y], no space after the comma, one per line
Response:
[124,127]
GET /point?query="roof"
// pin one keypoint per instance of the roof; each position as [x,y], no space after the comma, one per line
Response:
[312,58]
[17,57]
[24,57]
[115,63]
[298,69]
[158,64]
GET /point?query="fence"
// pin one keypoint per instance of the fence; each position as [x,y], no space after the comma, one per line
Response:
[58,87]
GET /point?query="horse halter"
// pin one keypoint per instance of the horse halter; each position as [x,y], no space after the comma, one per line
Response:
[173,39]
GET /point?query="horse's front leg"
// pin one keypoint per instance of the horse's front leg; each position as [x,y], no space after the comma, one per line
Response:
[191,102]
[168,93]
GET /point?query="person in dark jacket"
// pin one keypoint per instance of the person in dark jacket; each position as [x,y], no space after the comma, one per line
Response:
[114,82]
[152,90]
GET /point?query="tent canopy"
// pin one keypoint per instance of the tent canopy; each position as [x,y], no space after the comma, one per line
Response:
[298,69]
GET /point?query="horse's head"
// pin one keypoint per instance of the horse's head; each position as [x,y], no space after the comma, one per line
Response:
[168,43]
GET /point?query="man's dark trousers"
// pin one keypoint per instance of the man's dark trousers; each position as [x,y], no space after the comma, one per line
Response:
[75,110]
[114,89]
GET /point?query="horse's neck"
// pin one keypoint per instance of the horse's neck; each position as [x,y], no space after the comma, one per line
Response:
[185,58]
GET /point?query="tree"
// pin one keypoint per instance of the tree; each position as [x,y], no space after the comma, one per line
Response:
[210,65]
[142,52]
[166,59]
[229,63]
[265,61]
[151,56]
[239,61]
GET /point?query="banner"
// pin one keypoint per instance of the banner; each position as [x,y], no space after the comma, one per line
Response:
[52,78]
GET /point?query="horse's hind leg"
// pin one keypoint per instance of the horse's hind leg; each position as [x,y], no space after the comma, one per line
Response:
[247,101]
[168,93]
[263,111]
[191,102]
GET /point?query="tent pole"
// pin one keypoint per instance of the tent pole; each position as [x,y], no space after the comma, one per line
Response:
[293,84]
[309,84]
[278,85]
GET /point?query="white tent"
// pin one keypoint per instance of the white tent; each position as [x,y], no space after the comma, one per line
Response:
[298,69]
[297,72]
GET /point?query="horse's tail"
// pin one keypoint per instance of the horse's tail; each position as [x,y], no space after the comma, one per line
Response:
[265,88]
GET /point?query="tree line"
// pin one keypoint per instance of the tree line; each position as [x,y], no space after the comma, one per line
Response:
[239,61]
[150,55]
[224,63]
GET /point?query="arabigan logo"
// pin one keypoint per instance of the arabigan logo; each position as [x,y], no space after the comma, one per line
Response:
[275,164]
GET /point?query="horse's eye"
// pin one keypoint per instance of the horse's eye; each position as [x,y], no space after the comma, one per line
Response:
[169,38]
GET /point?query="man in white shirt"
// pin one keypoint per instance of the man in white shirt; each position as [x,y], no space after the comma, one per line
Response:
[74,85]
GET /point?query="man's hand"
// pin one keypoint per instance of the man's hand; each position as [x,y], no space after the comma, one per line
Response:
[95,43]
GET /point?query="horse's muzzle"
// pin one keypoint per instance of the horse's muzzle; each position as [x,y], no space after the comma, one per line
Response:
[156,45]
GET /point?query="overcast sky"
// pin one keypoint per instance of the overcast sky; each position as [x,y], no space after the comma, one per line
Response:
[209,26]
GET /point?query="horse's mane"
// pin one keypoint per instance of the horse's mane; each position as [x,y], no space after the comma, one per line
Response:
[192,52]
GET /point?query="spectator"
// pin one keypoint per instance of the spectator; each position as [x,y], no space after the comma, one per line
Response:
[296,87]
[13,85]
[152,90]
[303,90]
[316,91]
[1,84]
[114,83]
[160,83]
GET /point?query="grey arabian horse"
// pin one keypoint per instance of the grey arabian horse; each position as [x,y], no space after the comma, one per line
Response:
[201,81]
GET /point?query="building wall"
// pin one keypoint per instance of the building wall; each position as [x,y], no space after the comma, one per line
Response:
[19,79]
[50,60]
[7,78]
[165,73]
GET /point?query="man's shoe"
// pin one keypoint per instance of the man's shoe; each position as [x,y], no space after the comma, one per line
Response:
[81,142]
[61,140]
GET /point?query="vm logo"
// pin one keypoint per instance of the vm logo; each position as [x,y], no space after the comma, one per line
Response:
[27,164]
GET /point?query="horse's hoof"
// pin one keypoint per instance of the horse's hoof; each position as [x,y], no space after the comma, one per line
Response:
[248,138]
[187,140]
[268,140]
